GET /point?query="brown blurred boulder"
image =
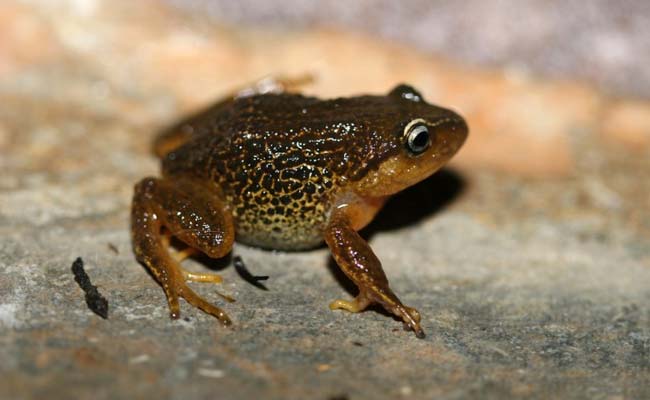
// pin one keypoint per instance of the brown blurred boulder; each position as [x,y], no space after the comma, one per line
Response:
[146,64]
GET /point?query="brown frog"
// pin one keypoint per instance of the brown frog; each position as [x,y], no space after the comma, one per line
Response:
[285,171]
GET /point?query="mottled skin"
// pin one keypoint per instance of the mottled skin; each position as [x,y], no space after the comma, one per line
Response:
[285,171]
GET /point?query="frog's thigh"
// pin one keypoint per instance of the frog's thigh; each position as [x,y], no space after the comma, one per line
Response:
[276,84]
[178,134]
[357,260]
[192,214]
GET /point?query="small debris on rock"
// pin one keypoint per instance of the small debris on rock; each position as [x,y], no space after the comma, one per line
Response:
[211,373]
[254,280]
[323,367]
[113,248]
[95,301]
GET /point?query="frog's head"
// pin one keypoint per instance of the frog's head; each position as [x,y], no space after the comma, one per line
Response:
[422,138]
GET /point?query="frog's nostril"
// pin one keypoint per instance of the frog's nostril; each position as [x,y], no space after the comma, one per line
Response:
[458,125]
[453,127]
[457,129]
[454,130]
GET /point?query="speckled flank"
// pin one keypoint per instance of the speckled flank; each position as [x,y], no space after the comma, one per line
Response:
[282,161]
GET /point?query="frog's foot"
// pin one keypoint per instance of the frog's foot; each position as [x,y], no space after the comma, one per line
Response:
[410,316]
[158,212]
[182,290]
[362,266]
[176,287]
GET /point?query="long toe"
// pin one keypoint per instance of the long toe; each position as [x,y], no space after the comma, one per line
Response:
[198,302]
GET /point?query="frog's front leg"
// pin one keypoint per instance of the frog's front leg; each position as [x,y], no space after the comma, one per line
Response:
[190,212]
[357,260]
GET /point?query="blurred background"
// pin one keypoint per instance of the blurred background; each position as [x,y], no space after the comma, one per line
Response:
[596,41]
[527,75]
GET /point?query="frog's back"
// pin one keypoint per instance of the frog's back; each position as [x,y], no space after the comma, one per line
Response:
[280,161]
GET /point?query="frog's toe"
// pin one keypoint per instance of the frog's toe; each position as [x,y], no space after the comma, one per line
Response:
[197,301]
[201,277]
[174,305]
[357,305]
[187,252]
[415,314]
[411,318]
[177,288]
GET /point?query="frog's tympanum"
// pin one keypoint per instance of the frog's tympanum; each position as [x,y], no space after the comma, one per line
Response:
[285,171]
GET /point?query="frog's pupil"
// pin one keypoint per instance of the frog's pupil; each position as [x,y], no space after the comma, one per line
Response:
[418,139]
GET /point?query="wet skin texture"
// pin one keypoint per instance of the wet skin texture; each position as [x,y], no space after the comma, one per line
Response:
[285,171]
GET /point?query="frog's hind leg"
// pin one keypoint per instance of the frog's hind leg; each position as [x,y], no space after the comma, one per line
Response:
[356,259]
[191,213]
[275,84]
[176,135]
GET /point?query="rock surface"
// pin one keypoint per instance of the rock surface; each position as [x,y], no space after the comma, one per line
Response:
[529,258]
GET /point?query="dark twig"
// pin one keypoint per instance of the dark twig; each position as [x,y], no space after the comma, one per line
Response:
[95,301]
[241,269]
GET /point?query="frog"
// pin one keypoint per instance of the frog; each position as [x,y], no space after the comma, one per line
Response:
[270,167]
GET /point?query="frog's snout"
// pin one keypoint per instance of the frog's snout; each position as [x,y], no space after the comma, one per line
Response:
[453,131]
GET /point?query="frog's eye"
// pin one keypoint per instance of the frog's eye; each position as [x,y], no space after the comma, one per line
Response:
[406,92]
[417,138]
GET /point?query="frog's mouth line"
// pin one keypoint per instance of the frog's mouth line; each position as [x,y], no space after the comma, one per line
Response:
[395,175]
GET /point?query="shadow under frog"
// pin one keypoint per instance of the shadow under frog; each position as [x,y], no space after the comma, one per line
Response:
[284,171]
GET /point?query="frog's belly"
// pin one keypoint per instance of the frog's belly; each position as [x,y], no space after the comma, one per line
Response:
[292,230]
